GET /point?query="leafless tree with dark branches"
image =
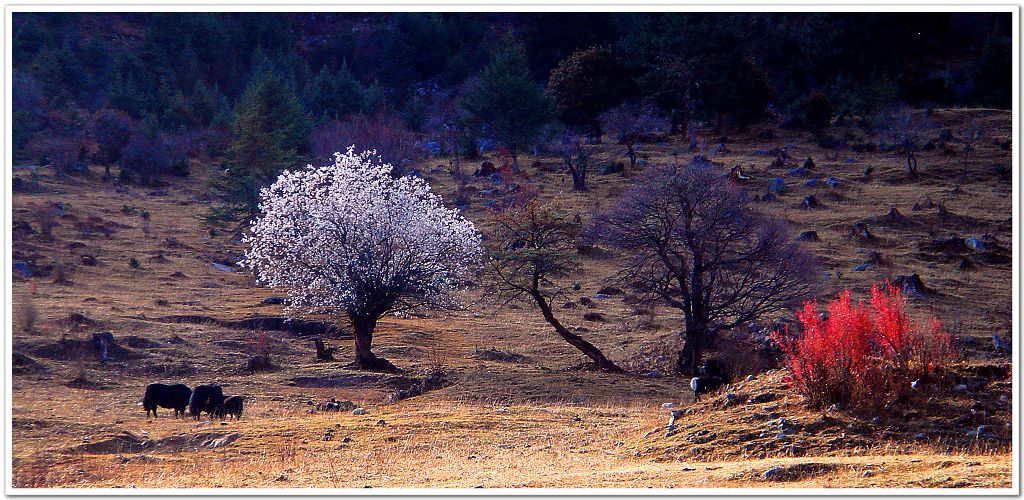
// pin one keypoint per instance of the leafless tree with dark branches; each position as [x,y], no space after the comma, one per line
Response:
[694,243]
[906,129]
[533,248]
[576,157]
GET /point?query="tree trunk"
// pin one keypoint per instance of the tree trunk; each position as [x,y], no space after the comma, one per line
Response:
[680,125]
[579,180]
[575,340]
[515,158]
[631,148]
[911,165]
[693,346]
[323,353]
[595,131]
[365,359]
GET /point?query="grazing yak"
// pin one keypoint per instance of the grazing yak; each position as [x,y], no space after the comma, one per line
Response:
[232,407]
[167,396]
[208,398]
[714,376]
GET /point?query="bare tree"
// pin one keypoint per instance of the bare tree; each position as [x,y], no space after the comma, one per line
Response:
[694,243]
[576,157]
[627,123]
[971,135]
[387,135]
[533,248]
[906,129]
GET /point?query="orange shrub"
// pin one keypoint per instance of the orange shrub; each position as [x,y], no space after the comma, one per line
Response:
[863,354]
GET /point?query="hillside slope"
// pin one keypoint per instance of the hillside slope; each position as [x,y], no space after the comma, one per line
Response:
[521,410]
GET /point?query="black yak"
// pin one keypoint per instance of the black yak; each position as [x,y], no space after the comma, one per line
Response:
[167,396]
[715,375]
[208,398]
[704,385]
[232,407]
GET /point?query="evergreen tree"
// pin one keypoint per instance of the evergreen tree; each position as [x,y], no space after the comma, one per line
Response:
[586,84]
[332,96]
[505,103]
[992,73]
[271,133]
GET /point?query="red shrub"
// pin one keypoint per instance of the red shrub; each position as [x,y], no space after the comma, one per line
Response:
[863,354]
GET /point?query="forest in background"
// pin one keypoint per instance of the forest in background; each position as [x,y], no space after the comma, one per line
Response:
[149,91]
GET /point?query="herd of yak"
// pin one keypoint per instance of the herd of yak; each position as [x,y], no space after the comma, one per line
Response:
[210,398]
[207,398]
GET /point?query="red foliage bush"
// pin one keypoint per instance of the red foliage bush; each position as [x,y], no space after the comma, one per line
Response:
[863,354]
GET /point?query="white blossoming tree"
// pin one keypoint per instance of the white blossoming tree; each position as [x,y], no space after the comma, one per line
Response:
[350,239]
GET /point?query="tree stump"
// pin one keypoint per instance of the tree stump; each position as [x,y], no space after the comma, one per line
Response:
[324,353]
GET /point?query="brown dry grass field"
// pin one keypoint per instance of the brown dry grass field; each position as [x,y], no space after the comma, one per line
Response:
[542,420]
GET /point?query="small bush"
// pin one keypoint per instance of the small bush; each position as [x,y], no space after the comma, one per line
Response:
[45,217]
[863,354]
[817,113]
[148,156]
[133,263]
[67,155]
[27,314]
[112,129]
[261,360]
[63,272]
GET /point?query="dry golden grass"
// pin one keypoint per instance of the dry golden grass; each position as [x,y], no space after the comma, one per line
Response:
[542,422]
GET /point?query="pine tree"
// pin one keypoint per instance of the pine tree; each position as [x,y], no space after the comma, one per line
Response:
[506,103]
[332,96]
[271,133]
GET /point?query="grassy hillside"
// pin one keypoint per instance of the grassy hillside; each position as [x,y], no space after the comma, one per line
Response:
[521,410]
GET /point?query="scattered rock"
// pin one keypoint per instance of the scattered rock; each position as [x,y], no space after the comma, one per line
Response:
[22,270]
[1001,345]
[21,364]
[593,316]
[486,169]
[88,260]
[223,268]
[616,167]
[975,244]
[797,471]
[894,217]
[777,185]
[810,202]
[494,354]
[435,380]
[274,301]
[860,231]
[610,290]
[911,284]
[808,236]
[359,411]
[947,245]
